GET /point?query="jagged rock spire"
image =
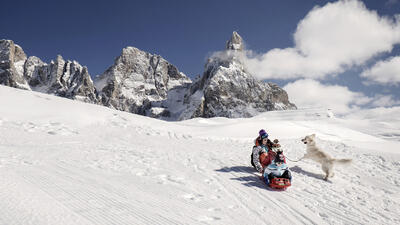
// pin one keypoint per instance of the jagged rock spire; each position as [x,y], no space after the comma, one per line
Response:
[226,89]
[235,43]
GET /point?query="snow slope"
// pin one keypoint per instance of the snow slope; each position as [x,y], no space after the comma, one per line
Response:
[67,162]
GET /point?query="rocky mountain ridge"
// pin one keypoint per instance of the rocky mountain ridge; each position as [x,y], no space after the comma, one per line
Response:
[147,84]
[62,78]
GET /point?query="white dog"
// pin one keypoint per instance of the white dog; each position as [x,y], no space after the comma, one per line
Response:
[318,155]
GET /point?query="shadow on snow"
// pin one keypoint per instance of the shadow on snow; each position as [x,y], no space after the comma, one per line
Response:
[251,180]
[297,169]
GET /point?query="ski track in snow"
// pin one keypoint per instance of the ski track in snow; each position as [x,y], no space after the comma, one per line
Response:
[52,128]
[93,199]
[125,169]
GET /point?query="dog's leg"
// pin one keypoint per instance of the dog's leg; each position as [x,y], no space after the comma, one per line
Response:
[330,170]
[326,176]
[326,170]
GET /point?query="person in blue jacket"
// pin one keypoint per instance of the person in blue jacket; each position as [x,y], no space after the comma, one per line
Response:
[277,169]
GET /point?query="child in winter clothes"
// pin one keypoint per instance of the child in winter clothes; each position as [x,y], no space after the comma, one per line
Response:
[264,151]
[258,140]
[259,152]
[277,169]
[272,153]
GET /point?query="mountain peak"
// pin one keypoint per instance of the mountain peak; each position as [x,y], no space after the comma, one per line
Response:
[235,43]
[226,89]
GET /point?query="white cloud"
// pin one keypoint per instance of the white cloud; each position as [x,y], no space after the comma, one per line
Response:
[310,93]
[329,40]
[384,101]
[384,72]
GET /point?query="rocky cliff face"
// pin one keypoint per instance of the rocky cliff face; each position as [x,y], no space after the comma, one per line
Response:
[226,89]
[141,83]
[12,59]
[62,78]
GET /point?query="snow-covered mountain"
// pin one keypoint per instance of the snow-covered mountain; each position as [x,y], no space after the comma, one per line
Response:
[147,84]
[226,89]
[68,162]
[140,82]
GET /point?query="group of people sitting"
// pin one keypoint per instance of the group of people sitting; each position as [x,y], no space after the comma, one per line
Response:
[268,159]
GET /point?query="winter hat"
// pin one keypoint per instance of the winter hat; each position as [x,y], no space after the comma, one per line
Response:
[263,134]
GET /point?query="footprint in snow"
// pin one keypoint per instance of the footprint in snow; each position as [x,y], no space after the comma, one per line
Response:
[38,96]
[30,127]
[323,215]
[178,180]
[189,196]
[186,136]
[214,209]
[164,178]
[208,218]
[193,197]
[141,174]
[215,197]
[61,131]
[208,181]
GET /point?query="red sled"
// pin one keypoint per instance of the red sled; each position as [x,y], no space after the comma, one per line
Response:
[280,183]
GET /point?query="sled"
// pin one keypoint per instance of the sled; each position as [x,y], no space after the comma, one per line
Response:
[280,183]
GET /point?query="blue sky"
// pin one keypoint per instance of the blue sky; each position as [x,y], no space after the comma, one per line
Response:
[186,32]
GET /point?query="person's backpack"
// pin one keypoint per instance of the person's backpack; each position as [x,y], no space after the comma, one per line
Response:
[251,159]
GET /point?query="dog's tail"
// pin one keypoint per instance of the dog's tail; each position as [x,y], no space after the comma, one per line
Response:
[342,161]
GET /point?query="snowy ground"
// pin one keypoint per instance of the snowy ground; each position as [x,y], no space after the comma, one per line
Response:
[66,162]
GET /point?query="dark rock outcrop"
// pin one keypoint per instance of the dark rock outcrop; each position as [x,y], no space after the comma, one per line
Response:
[226,89]
[12,59]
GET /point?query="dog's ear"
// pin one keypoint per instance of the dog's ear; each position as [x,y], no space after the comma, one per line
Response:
[313,135]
